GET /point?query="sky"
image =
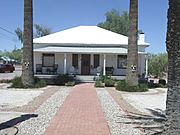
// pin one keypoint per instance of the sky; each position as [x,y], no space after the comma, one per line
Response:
[63,14]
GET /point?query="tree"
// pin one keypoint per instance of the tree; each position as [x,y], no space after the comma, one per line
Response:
[157,64]
[116,22]
[172,126]
[39,30]
[27,61]
[19,34]
[132,57]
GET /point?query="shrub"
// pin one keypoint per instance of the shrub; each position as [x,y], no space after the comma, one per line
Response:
[17,83]
[5,81]
[104,77]
[109,82]
[99,83]
[62,79]
[143,87]
[70,83]
[39,83]
[124,86]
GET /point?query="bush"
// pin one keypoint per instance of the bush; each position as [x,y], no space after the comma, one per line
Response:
[17,83]
[62,79]
[5,81]
[99,84]
[121,85]
[70,83]
[104,77]
[124,86]
[109,82]
[39,83]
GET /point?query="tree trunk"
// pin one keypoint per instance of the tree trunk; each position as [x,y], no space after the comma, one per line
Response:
[172,126]
[27,65]
[132,57]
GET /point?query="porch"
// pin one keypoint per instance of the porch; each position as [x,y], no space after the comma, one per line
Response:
[78,78]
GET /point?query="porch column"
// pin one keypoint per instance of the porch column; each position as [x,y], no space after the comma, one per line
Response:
[146,61]
[104,65]
[65,60]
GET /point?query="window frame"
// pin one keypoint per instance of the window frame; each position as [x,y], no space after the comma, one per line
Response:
[46,55]
[118,61]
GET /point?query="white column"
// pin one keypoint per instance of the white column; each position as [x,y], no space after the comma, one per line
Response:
[146,72]
[104,65]
[65,63]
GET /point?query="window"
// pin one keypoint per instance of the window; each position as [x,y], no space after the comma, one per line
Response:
[96,60]
[121,61]
[48,60]
[75,60]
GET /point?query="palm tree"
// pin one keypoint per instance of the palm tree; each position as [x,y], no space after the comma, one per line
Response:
[172,126]
[27,65]
[132,57]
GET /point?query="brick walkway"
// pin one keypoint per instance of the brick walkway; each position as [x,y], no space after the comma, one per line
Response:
[80,114]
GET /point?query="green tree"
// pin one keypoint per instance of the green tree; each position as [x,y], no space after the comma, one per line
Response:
[116,22]
[39,30]
[157,64]
[132,57]
[19,34]
[172,126]
[27,59]
[15,54]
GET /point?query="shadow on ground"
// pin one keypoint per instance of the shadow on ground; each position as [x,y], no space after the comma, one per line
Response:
[151,124]
[13,122]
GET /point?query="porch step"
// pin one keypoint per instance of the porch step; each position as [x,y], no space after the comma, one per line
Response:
[84,78]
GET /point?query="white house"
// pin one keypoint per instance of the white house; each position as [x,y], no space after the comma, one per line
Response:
[85,50]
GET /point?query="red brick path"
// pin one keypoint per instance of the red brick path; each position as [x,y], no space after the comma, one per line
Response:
[80,114]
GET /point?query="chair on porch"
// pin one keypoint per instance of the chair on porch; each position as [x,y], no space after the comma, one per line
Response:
[72,70]
[55,67]
[109,70]
[98,70]
[38,68]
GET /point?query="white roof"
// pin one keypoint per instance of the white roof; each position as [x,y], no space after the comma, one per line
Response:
[97,50]
[91,35]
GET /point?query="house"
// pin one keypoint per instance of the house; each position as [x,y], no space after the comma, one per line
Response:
[85,50]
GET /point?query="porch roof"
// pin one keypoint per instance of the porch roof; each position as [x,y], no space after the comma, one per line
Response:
[97,50]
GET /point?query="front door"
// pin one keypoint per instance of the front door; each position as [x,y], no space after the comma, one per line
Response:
[85,64]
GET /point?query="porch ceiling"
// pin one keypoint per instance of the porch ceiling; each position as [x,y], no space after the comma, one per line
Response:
[85,50]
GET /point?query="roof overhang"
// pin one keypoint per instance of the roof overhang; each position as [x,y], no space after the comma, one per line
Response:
[84,50]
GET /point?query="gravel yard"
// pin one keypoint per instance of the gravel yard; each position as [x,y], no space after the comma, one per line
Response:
[32,109]
[37,125]
[15,98]
[115,116]
[154,99]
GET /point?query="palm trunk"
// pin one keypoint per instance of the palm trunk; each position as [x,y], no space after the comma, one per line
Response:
[172,126]
[27,65]
[132,57]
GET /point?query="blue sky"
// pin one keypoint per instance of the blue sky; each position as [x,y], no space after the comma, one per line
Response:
[63,14]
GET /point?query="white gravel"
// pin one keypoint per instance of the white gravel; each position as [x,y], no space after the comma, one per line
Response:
[14,98]
[38,125]
[114,115]
[154,99]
